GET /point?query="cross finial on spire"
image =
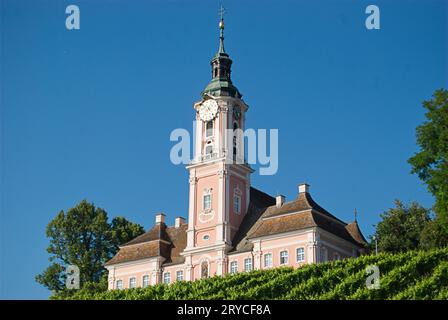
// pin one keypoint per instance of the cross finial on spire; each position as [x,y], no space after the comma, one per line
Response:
[356,214]
[221,13]
[221,30]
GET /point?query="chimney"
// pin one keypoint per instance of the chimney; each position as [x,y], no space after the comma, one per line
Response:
[279,200]
[160,217]
[304,188]
[179,221]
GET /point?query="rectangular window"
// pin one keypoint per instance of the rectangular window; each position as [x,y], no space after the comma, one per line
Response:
[323,254]
[180,275]
[268,260]
[336,256]
[132,282]
[284,257]
[145,281]
[166,278]
[300,254]
[234,267]
[119,284]
[207,204]
[248,264]
[236,204]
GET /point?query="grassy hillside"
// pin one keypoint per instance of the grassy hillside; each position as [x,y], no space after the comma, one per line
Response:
[410,275]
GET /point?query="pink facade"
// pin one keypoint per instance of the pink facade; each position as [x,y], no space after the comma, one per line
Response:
[232,227]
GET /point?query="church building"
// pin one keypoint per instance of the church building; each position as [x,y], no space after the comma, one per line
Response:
[231,227]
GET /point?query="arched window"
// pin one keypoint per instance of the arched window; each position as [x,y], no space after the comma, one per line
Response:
[204,269]
[209,129]
[207,200]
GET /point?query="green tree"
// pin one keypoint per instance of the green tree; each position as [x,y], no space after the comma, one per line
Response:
[83,237]
[431,162]
[122,231]
[401,227]
[433,235]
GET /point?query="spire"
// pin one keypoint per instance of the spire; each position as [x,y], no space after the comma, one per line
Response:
[356,215]
[221,83]
[221,31]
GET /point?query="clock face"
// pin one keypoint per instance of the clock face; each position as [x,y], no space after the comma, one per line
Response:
[208,110]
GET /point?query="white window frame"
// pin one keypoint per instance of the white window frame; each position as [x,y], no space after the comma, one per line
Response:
[287,257]
[119,284]
[207,193]
[267,265]
[248,266]
[181,277]
[300,257]
[145,281]
[132,282]
[166,277]
[233,267]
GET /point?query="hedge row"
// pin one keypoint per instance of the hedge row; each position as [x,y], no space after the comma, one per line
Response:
[410,275]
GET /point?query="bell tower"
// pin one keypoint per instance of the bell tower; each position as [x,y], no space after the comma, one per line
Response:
[219,177]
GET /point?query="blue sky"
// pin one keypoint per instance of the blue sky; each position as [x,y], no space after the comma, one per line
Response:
[87,114]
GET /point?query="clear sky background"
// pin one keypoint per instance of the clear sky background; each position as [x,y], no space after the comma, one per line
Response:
[87,114]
